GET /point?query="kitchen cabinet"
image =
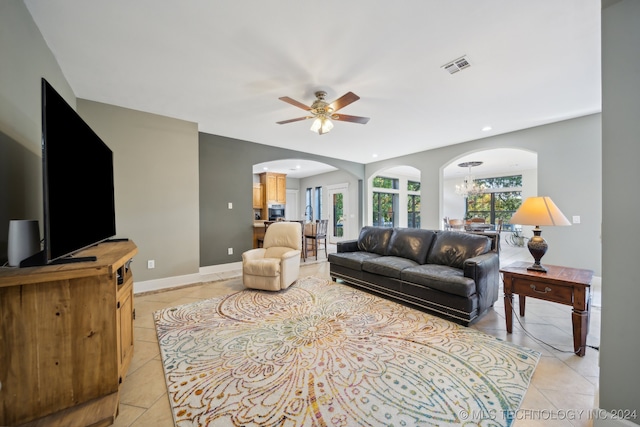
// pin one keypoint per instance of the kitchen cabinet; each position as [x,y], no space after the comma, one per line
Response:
[275,187]
[257,195]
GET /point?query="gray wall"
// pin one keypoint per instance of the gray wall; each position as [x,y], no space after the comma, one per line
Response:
[156,185]
[569,171]
[226,176]
[24,59]
[620,345]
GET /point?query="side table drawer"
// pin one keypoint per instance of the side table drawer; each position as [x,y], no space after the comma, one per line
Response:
[545,291]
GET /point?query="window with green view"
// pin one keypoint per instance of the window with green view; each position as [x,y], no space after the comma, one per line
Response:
[500,199]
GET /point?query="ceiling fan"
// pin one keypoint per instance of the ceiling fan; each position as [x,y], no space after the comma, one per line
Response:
[323,112]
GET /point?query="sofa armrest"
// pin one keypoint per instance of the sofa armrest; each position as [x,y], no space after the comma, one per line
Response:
[347,246]
[485,272]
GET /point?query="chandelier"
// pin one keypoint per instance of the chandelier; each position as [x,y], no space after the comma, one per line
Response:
[469,187]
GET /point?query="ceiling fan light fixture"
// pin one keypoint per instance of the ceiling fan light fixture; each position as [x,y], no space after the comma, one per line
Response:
[321,125]
[323,113]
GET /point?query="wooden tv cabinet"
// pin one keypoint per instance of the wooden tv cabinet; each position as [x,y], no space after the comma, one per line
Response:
[66,339]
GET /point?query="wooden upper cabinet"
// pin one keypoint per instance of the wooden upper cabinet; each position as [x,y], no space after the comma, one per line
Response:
[281,189]
[275,187]
[257,195]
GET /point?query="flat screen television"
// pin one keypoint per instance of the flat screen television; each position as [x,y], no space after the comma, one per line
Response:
[77,176]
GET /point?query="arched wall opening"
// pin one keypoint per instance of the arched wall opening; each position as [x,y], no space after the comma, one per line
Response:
[397,207]
[496,162]
[317,190]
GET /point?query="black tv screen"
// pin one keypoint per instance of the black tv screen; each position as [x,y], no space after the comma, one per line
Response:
[79,206]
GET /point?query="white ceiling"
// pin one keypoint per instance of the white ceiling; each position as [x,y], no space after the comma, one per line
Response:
[224,65]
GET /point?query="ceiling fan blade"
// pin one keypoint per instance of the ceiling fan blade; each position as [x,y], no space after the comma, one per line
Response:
[284,122]
[352,119]
[343,101]
[295,103]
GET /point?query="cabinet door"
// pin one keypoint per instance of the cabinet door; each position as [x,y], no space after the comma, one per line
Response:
[281,185]
[125,327]
[257,196]
[272,189]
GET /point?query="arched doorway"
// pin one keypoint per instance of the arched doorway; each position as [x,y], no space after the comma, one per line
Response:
[394,197]
[496,165]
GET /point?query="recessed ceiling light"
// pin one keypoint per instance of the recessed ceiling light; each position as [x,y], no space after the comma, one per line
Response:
[374,156]
[297,166]
[486,128]
[265,168]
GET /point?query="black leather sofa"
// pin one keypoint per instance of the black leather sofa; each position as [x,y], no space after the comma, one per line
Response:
[452,274]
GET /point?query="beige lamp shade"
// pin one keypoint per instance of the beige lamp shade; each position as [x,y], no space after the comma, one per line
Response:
[539,211]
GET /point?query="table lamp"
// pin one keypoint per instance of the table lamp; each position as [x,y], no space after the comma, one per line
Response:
[538,211]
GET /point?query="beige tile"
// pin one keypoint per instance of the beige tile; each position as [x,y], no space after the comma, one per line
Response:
[143,352]
[537,410]
[575,407]
[127,415]
[158,415]
[553,374]
[145,334]
[143,387]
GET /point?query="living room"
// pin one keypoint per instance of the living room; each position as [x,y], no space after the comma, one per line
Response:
[177,212]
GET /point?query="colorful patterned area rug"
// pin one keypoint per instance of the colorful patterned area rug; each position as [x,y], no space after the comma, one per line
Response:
[324,354]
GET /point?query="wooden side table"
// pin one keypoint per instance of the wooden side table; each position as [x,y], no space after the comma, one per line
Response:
[564,285]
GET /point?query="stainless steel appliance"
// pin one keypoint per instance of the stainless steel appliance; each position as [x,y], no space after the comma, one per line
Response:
[276,212]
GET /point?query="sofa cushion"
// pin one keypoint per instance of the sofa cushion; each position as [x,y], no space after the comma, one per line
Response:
[441,277]
[411,243]
[352,260]
[374,239]
[453,248]
[388,266]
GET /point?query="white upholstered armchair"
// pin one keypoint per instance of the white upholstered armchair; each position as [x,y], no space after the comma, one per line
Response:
[276,265]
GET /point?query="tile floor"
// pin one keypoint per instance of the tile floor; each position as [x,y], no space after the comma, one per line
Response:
[562,390]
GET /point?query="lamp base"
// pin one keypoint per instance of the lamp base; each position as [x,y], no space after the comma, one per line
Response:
[537,267]
[537,247]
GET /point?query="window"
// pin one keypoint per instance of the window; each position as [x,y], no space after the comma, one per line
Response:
[501,198]
[317,203]
[382,182]
[384,209]
[413,204]
[338,214]
[385,204]
[313,203]
[308,210]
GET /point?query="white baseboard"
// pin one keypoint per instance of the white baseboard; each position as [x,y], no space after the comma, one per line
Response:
[205,274]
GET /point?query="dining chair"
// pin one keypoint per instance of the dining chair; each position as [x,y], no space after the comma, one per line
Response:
[261,239]
[445,221]
[456,224]
[317,234]
[301,222]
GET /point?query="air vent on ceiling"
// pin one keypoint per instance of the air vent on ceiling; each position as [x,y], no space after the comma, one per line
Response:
[457,65]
